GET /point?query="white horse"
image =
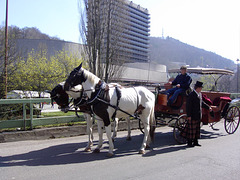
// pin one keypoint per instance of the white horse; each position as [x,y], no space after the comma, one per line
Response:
[61,98]
[132,99]
[74,93]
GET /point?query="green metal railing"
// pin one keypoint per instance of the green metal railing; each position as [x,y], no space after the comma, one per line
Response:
[31,122]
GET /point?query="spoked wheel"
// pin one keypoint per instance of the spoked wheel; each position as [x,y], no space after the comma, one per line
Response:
[141,125]
[179,126]
[231,122]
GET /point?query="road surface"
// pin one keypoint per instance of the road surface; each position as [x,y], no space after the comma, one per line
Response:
[60,159]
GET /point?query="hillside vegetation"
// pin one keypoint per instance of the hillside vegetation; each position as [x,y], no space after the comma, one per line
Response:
[169,51]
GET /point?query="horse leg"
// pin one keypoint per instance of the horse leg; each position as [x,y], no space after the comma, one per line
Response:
[115,128]
[100,134]
[129,129]
[148,141]
[152,126]
[146,133]
[111,146]
[89,120]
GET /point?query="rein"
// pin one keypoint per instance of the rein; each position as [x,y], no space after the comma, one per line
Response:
[94,99]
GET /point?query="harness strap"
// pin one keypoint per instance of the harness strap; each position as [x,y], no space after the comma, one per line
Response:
[98,97]
[118,109]
[118,92]
[91,101]
[136,113]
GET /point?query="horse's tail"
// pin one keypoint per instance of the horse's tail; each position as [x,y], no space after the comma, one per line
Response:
[152,123]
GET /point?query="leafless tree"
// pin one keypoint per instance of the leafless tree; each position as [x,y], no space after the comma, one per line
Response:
[102,28]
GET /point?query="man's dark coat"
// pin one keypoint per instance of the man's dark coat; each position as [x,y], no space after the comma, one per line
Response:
[193,106]
[194,110]
[184,80]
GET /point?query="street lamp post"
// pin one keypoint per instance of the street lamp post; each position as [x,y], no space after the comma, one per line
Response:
[6,49]
[237,74]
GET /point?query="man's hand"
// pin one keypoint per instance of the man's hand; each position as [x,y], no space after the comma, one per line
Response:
[178,85]
[210,109]
[170,82]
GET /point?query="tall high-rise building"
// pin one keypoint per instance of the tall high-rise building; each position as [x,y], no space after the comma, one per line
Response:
[118,30]
[136,38]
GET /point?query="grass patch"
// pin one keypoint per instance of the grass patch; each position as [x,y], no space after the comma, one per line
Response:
[50,114]
[58,113]
[60,125]
[44,126]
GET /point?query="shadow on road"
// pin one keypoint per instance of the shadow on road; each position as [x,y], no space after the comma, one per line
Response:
[73,152]
[211,134]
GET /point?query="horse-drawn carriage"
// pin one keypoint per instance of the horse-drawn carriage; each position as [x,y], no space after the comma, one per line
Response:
[175,114]
[138,102]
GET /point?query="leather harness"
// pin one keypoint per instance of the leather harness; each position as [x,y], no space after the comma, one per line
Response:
[101,94]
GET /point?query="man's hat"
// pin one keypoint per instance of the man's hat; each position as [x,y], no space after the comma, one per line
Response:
[183,67]
[199,84]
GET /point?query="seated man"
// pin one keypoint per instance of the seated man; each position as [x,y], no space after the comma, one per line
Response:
[182,82]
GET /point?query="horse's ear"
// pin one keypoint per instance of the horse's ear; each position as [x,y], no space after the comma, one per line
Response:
[79,67]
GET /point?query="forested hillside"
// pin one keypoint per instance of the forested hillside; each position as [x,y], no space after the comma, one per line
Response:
[24,33]
[168,51]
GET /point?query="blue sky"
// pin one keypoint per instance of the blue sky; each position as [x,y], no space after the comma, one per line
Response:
[213,25]
[54,17]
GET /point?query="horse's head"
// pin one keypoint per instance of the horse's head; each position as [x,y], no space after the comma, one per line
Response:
[60,97]
[76,77]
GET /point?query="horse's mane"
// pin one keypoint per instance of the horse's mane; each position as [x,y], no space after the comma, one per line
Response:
[91,77]
[75,88]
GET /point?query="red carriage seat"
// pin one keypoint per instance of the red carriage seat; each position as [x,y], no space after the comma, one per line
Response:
[219,103]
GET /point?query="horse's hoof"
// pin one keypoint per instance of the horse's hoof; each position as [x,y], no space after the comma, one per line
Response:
[96,150]
[147,147]
[109,155]
[129,139]
[141,152]
[88,149]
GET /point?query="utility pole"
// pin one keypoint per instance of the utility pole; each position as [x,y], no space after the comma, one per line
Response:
[6,49]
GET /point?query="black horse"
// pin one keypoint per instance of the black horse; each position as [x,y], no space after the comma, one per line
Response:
[61,97]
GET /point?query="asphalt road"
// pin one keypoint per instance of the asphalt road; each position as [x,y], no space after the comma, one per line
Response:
[218,158]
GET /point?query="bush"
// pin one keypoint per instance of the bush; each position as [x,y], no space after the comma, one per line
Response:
[13,111]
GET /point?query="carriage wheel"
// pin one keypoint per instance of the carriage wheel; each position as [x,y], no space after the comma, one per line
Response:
[178,128]
[141,125]
[231,122]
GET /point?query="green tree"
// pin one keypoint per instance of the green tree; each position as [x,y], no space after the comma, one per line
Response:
[34,73]
[13,56]
[208,82]
[66,62]
[38,73]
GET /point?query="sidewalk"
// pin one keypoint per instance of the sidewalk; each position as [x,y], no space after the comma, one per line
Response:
[56,132]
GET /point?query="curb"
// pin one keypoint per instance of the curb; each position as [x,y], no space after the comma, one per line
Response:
[57,132]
